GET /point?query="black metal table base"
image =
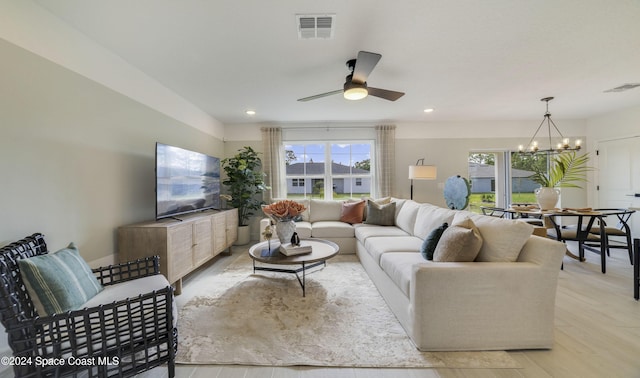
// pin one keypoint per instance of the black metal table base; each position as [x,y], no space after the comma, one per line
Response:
[303,269]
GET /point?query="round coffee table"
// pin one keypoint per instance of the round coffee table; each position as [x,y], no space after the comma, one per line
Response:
[321,251]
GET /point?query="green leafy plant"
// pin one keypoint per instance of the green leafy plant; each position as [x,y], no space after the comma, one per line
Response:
[566,170]
[245,181]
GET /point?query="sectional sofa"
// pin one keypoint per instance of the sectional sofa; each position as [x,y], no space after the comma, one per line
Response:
[500,297]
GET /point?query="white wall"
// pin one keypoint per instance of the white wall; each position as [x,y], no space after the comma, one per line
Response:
[77,158]
[77,143]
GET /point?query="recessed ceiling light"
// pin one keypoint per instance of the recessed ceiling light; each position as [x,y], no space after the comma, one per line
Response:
[250,112]
[428,110]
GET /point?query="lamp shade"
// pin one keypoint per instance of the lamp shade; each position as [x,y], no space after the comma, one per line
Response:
[423,172]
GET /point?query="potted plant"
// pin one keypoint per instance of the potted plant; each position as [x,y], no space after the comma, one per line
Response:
[244,181]
[566,170]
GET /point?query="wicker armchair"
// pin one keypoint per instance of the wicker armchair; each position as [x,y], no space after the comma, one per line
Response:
[121,338]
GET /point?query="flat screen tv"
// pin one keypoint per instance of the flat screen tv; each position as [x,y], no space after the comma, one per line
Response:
[186,181]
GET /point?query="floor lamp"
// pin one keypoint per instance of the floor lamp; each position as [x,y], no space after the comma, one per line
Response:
[421,172]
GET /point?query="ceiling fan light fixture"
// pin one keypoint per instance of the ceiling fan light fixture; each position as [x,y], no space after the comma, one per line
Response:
[357,93]
[354,91]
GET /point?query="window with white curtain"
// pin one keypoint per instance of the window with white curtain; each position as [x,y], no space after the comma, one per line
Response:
[329,169]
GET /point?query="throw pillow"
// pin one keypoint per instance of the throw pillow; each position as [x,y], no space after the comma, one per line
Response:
[352,212]
[380,201]
[431,241]
[382,215]
[459,243]
[59,281]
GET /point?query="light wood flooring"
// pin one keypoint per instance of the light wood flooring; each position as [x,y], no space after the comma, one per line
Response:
[597,332]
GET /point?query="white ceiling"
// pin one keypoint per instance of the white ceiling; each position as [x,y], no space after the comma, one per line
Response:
[468,59]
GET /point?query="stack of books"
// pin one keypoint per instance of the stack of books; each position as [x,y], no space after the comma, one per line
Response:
[289,249]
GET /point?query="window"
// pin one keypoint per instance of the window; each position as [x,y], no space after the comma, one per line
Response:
[499,179]
[347,175]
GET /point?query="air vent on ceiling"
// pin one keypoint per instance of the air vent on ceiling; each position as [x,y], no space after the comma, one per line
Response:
[623,88]
[315,26]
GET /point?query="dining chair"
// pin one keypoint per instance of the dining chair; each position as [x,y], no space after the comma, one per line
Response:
[581,233]
[497,212]
[618,236]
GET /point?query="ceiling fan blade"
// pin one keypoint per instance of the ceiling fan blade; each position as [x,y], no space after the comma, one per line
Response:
[320,95]
[365,63]
[385,93]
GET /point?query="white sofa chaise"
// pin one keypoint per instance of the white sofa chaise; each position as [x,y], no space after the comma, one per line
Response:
[505,299]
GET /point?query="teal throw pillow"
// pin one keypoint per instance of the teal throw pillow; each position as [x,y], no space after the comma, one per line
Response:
[431,241]
[380,214]
[59,281]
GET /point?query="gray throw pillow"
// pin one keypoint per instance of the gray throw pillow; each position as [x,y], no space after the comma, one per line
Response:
[379,214]
[431,241]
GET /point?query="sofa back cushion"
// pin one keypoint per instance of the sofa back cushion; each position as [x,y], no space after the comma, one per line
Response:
[502,238]
[431,217]
[323,210]
[406,217]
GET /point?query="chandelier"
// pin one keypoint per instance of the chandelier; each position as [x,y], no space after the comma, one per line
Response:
[563,144]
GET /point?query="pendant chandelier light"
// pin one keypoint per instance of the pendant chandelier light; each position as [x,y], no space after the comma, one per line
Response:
[563,145]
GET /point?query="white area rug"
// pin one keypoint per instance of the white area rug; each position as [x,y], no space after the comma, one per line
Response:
[262,319]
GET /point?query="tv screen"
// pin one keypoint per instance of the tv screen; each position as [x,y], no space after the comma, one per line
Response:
[186,181]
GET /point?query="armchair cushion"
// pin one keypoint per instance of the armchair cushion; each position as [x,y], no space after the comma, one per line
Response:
[131,289]
[59,281]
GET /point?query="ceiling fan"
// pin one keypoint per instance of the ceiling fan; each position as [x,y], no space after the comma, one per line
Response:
[355,85]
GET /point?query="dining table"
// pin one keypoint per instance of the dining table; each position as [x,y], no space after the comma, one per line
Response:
[587,220]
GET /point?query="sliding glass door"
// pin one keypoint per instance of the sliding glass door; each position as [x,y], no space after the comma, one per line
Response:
[501,178]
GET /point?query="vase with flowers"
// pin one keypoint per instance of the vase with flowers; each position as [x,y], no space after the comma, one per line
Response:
[284,214]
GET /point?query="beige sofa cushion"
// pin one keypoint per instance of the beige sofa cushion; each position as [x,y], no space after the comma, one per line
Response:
[406,217]
[364,231]
[303,229]
[332,229]
[399,266]
[502,238]
[377,246]
[461,242]
[431,217]
[322,210]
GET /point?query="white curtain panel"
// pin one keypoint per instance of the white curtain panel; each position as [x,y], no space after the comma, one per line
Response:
[273,162]
[385,160]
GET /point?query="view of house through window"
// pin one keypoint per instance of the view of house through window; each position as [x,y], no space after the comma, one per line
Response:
[499,179]
[347,173]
